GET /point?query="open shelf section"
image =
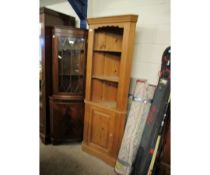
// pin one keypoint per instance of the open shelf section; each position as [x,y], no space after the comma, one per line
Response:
[106,65]
[108,38]
[106,78]
[104,92]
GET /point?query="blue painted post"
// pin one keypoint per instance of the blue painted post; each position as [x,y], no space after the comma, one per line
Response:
[80,7]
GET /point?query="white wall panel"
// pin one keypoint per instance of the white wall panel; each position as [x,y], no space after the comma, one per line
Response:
[147,71]
[149,52]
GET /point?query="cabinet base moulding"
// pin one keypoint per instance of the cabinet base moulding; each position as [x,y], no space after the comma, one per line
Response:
[106,158]
[45,139]
[64,141]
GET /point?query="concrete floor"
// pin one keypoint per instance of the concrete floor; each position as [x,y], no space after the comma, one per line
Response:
[70,160]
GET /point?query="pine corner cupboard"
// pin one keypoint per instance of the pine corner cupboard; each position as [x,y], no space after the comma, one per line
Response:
[109,58]
[68,81]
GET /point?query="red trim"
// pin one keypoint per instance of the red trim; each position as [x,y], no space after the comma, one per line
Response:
[165,58]
[139,81]
[165,70]
[151,151]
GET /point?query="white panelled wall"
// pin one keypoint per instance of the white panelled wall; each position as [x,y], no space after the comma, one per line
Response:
[152,31]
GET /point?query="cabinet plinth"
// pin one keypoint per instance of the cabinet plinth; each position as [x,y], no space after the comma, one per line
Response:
[110,47]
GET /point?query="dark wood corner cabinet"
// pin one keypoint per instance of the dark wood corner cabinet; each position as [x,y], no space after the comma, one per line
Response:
[48,18]
[110,48]
[68,70]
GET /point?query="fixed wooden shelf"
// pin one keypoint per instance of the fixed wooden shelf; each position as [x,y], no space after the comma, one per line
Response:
[109,104]
[109,51]
[71,50]
[106,78]
[71,75]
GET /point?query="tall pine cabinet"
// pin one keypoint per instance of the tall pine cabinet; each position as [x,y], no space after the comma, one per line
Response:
[109,59]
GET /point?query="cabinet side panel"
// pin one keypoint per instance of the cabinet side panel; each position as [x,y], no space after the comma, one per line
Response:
[86,124]
[119,131]
[125,65]
[46,83]
[89,64]
[42,80]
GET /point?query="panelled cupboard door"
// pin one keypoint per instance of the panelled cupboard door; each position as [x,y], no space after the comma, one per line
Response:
[101,131]
[66,121]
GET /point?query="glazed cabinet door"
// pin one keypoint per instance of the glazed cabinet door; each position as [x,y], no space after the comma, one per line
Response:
[69,64]
[101,132]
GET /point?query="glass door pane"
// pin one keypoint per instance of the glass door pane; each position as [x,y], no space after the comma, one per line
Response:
[71,56]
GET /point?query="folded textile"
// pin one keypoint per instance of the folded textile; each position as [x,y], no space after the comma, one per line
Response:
[134,127]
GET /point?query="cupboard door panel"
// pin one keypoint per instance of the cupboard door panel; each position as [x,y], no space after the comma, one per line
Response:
[101,130]
[67,121]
